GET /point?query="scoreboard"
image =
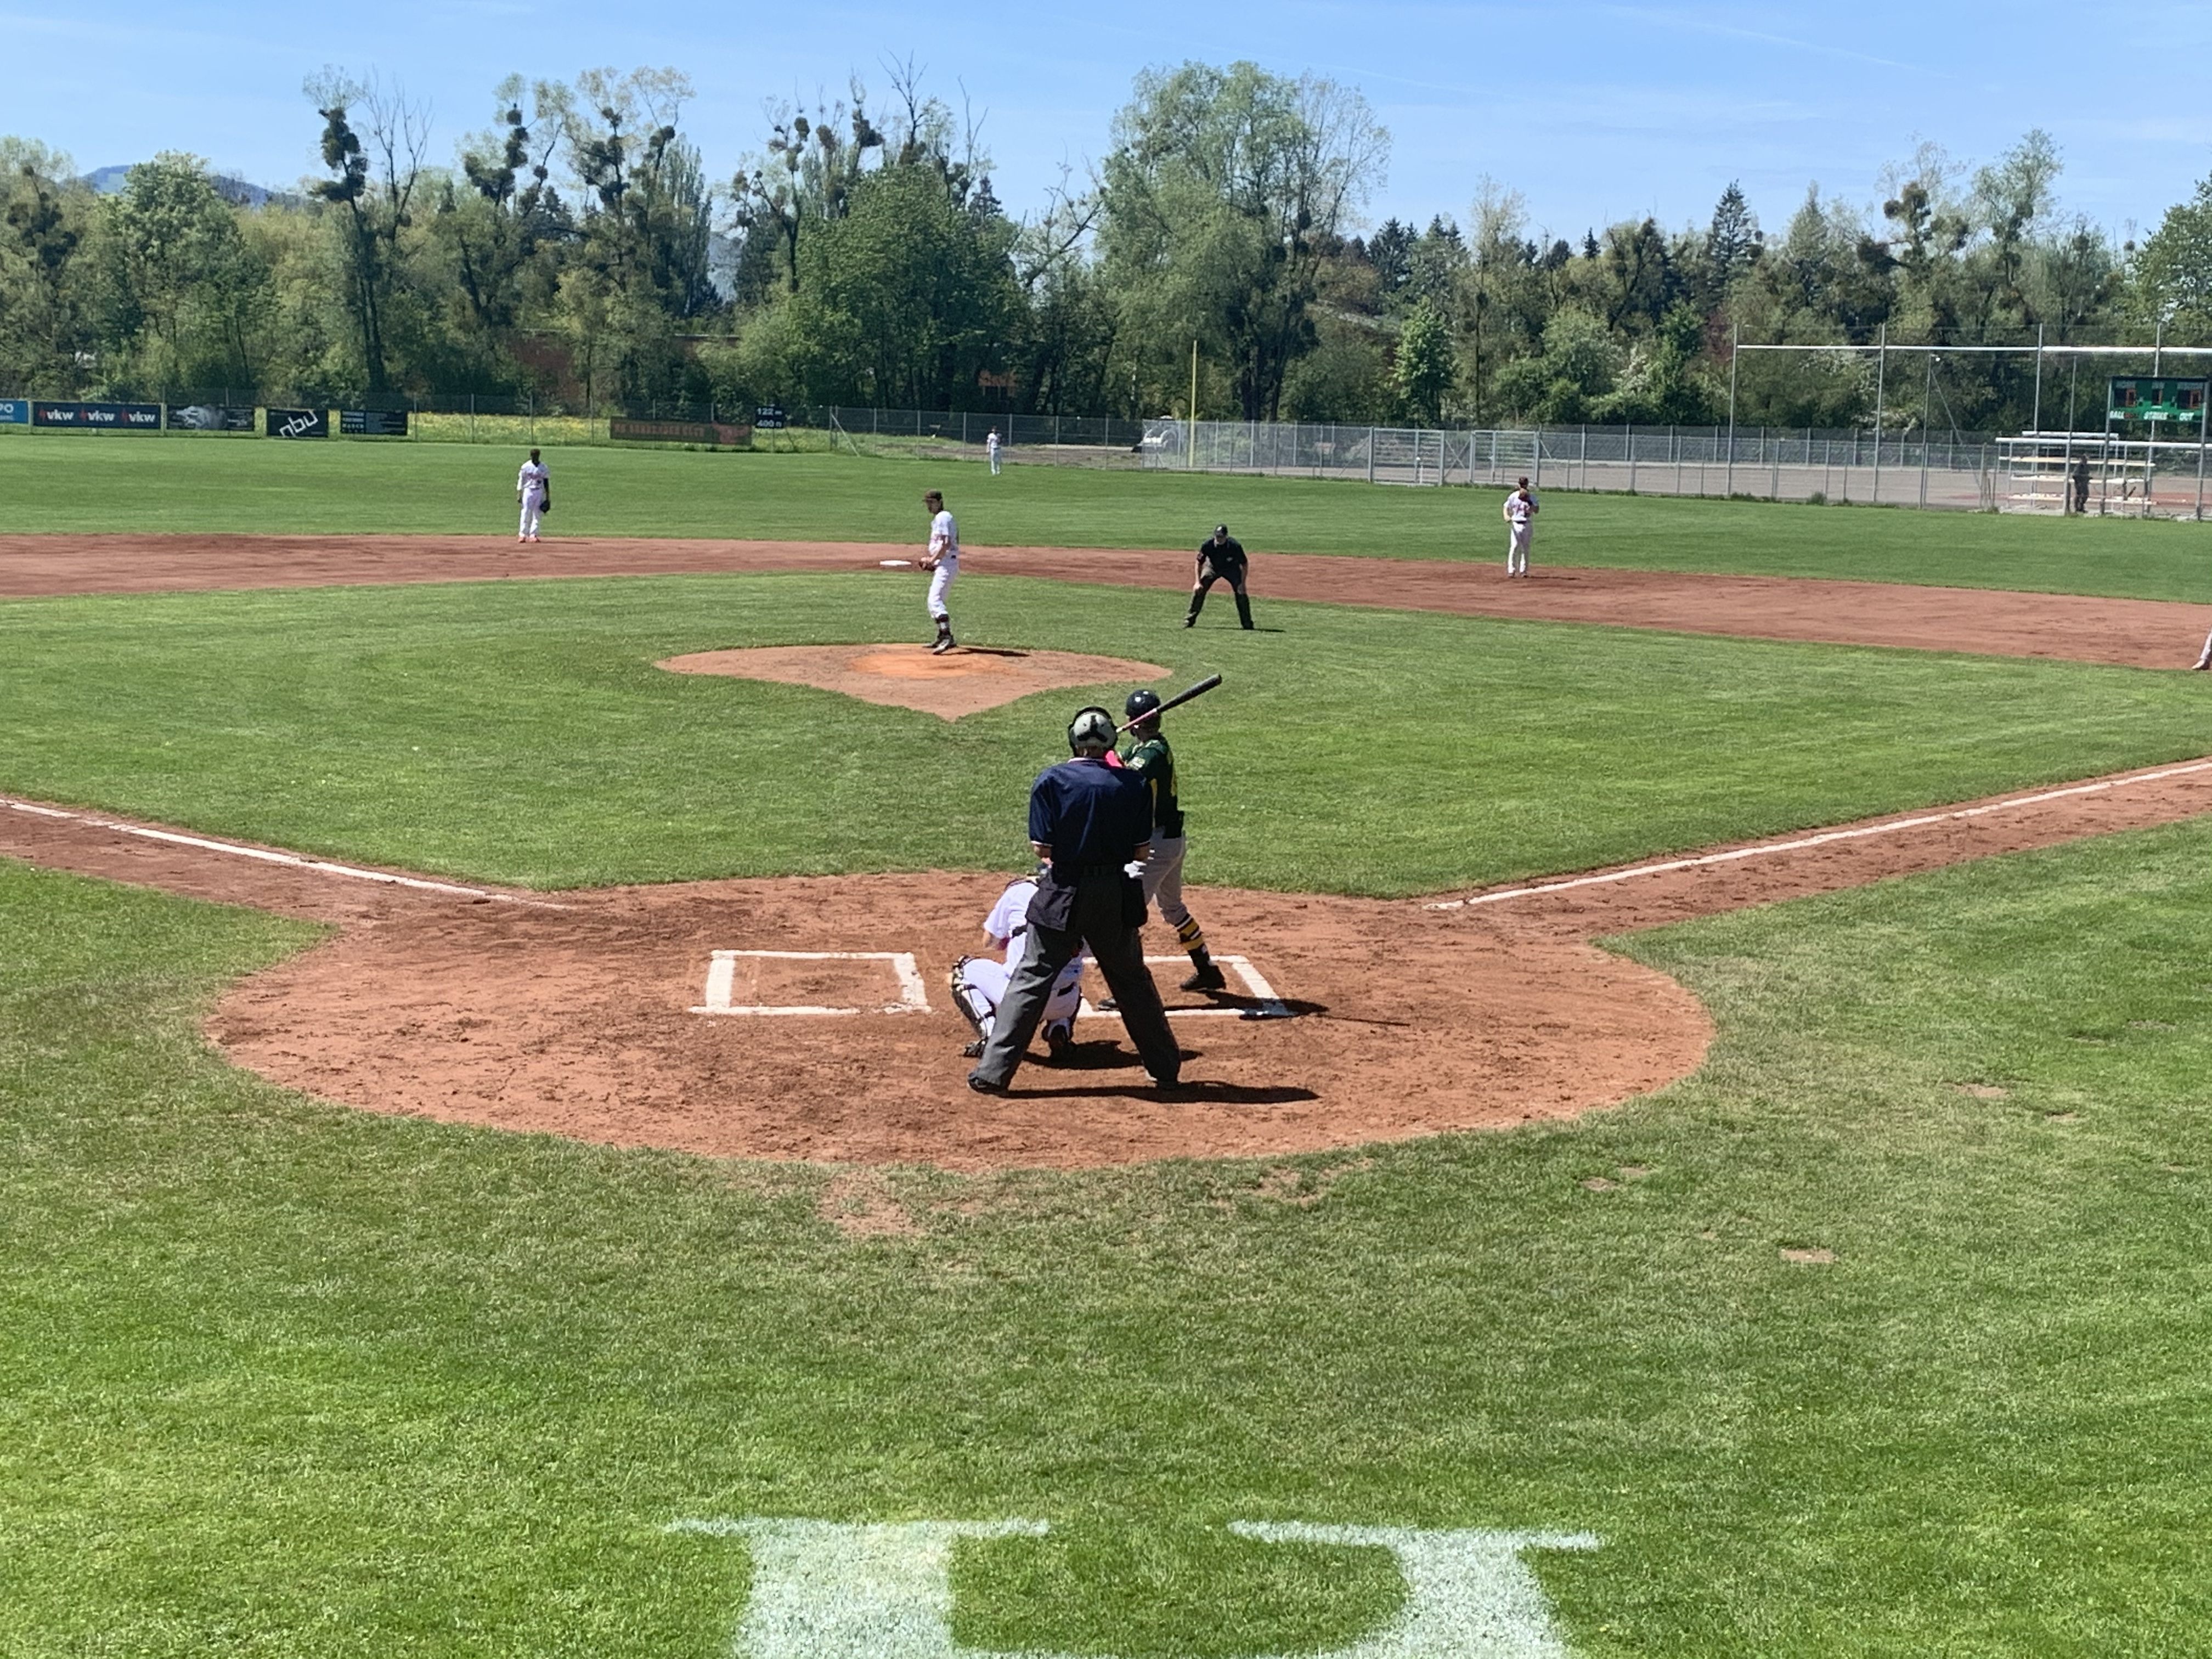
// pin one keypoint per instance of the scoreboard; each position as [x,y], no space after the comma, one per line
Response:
[2155,401]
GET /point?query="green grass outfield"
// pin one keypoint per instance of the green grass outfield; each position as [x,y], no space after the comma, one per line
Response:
[281,1379]
[519,730]
[60,482]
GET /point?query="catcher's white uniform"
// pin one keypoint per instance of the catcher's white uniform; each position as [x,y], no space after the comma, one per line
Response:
[979,984]
[532,484]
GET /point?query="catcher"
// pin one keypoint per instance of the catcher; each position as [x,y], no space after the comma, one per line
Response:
[979,984]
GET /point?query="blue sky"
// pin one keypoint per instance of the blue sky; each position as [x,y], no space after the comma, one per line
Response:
[1592,112]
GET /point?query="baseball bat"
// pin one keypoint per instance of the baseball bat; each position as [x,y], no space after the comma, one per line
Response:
[1177,700]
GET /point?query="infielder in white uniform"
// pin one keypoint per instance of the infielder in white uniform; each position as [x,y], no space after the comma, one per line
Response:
[533,494]
[1521,515]
[991,444]
[943,559]
[979,984]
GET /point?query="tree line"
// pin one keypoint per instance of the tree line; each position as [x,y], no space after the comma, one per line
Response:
[578,250]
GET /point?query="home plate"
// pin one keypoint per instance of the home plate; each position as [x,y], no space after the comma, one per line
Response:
[1264,1005]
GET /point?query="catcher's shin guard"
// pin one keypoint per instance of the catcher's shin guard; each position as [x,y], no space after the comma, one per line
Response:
[968,999]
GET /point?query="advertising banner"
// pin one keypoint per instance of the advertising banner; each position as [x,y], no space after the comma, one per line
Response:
[373,422]
[98,417]
[14,411]
[210,417]
[768,417]
[298,422]
[713,434]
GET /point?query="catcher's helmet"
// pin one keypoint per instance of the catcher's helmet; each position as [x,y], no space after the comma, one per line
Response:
[1090,732]
[1141,704]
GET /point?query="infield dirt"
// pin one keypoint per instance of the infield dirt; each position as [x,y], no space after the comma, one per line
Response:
[569,1014]
[2134,633]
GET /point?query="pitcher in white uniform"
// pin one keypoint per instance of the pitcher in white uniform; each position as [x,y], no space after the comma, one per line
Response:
[943,561]
[979,984]
[533,494]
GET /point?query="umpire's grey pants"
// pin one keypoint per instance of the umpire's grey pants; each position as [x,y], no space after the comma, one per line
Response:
[1119,950]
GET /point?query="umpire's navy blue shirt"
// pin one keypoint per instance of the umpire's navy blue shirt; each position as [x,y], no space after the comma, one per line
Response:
[1093,816]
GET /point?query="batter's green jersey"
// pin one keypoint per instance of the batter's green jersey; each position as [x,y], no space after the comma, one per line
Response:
[1154,762]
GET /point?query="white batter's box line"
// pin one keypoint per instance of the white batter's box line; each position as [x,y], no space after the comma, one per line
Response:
[1271,1006]
[722,982]
[1827,837]
[271,855]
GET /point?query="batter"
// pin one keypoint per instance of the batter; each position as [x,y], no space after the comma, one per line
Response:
[1152,760]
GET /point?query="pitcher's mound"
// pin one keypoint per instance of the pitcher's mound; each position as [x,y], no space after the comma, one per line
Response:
[965,681]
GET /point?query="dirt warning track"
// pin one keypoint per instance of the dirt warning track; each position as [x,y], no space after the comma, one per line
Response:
[2133,633]
[573,1013]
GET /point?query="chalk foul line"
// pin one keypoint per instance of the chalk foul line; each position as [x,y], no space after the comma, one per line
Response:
[1890,827]
[268,855]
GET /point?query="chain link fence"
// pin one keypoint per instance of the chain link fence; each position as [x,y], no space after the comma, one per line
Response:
[1961,471]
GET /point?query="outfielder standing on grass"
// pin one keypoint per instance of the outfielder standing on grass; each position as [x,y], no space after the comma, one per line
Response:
[991,444]
[943,560]
[1151,759]
[533,494]
[1221,559]
[1521,517]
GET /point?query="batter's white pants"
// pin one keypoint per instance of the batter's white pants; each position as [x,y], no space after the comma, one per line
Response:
[1164,880]
[1517,549]
[988,980]
[533,509]
[940,587]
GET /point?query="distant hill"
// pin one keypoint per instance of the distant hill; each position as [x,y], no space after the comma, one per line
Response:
[109,180]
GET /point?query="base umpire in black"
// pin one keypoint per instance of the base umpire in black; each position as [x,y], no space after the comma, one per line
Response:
[1089,822]
[1221,559]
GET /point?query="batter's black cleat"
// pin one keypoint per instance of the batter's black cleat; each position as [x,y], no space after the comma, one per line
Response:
[1208,978]
[974,1050]
[1058,1039]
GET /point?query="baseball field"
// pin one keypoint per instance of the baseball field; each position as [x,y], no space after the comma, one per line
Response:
[1731,1180]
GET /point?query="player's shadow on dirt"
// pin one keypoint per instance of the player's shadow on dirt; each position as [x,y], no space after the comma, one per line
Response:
[1193,1092]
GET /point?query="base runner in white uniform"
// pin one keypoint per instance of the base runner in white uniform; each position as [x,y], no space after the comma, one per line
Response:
[533,494]
[943,561]
[1520,516]
[979,984]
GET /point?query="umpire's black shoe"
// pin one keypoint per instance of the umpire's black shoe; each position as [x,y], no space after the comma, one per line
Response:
[1208,978]
[983,1085]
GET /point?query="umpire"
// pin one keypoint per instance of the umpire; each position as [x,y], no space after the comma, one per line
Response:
[1220,560]
[1089,822]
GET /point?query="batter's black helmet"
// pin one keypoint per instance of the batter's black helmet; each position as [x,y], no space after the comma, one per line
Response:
[1090,732]
[1140,704]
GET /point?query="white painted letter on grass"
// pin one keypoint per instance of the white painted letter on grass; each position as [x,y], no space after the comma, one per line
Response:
[828,1589]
